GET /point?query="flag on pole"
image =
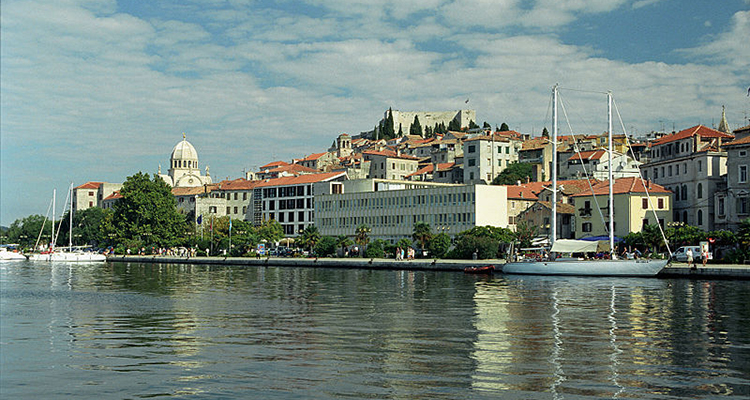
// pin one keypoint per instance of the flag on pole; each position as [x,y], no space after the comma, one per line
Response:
[199,220]
[230,224]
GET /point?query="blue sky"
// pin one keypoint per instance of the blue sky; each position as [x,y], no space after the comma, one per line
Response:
[99,90]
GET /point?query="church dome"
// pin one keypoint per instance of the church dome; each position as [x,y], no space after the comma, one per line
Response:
[184,151]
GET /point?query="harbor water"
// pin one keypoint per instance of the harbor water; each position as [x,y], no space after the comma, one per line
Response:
[130,331]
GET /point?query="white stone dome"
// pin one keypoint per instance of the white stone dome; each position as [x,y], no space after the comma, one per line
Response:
[184,151]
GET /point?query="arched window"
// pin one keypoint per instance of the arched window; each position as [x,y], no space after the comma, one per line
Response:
[700,217]
[699,191]
[677,195]
[684,217]
[677,216]
[684,192]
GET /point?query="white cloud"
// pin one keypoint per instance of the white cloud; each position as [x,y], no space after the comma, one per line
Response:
[731,46]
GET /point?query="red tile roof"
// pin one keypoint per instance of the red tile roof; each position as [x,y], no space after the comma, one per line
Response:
[237,184]
[274,164]
[300,180]
[622,186]
[588,155]
[744,140]
[191,191]
[90,185]
[562,208]
[699,130]
[429,168]
[313,157]
[522,192]
[115,195]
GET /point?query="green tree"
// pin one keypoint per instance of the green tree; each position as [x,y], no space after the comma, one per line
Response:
[439,245]
[362,237]
[375,249]
[88,227]
[343,242]
[454,125]
[416,127]
[545,132]
[525,233]
[473,125]
[270,230]
[467,245]
[310,237]
[743,233]
[147,212]
[326,246]
[25,231]
[485,125]
[513,173]
[422,234]
[504,127]
[684,235]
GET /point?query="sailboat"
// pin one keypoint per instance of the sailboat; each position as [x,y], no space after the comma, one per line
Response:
[610,267]
[70,255]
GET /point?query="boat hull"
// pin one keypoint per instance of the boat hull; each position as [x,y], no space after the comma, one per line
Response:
[77,257]
[11,256]
[642,268]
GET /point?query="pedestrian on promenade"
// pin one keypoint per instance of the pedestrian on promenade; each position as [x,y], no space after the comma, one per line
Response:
[689,254]
[704,256]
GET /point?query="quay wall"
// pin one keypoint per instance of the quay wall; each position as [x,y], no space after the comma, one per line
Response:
[677,270]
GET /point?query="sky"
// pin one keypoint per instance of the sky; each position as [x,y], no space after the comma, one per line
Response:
[98,90]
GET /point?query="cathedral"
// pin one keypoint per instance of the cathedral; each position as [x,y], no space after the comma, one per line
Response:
[183,167]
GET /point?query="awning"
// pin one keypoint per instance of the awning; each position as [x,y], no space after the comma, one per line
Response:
[598,238]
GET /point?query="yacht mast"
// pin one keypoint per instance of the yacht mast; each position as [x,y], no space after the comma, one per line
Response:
[70,219]
[553,235]
[611,207]
[53,239]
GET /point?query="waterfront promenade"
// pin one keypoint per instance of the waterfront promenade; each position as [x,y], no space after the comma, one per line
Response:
[675,270]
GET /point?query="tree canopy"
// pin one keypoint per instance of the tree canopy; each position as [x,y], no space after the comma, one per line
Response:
[416,127]
[513,173]
[147,212]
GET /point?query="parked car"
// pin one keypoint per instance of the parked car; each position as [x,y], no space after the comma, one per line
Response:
[681,254]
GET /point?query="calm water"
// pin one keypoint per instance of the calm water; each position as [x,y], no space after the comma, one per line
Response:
[142,330]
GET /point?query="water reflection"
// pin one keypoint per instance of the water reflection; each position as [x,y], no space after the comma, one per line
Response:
[132,330]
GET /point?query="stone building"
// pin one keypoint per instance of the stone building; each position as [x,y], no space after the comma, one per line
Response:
[184,169]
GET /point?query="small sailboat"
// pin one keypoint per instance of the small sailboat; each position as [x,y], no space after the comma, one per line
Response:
[7,253]
[606,267]
[70,255]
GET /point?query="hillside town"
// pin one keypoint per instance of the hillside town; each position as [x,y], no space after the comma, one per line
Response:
[453,175]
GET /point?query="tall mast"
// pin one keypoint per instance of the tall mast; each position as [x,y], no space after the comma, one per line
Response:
[609,170]
[70,219]
[553,236]
[53,238]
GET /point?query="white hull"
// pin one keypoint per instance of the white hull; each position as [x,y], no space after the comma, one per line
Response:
[66,256]
[6,255]
[587,267]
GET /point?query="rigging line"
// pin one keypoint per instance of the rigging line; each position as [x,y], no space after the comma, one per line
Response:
[582,90]
[580,158]
[640,175]
[43,223]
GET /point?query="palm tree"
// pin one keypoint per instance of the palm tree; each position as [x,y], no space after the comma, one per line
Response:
[362,237]
[344,242]
[422,233]
[310,237]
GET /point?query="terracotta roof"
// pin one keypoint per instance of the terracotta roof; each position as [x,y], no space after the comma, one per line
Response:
[389,154]
[430,168]
[237,184]
[293,169]
[274,164]
[312,157]
[562,208]
[588,155]
[522,192]
[115,195]
[738,142]
[300,180]
[622,186]
[191,191]
[90,185]
[535,143]
[699,130]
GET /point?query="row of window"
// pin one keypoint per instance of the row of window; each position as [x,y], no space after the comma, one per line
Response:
[397,220]
[387,202]
[291,216]
[742,206]
[472,148]
[288,191]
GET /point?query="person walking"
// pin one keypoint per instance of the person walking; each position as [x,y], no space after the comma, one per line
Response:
[689,254]
[704,256]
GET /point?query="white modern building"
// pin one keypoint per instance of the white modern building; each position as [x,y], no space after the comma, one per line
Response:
[485,156]
[289,200]
[391,208]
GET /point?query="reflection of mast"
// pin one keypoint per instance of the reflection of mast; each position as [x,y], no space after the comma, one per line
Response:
[556,348]
[613,341]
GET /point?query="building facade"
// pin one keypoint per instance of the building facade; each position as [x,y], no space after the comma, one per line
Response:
[92,194]
[184,170]
[392,208]
[486,156]
[732,202]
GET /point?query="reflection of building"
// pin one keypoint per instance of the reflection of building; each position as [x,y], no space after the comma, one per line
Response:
[391,208]
[183,167]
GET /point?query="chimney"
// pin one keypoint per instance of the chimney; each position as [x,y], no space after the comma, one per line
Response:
[528,179]
[518,182]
